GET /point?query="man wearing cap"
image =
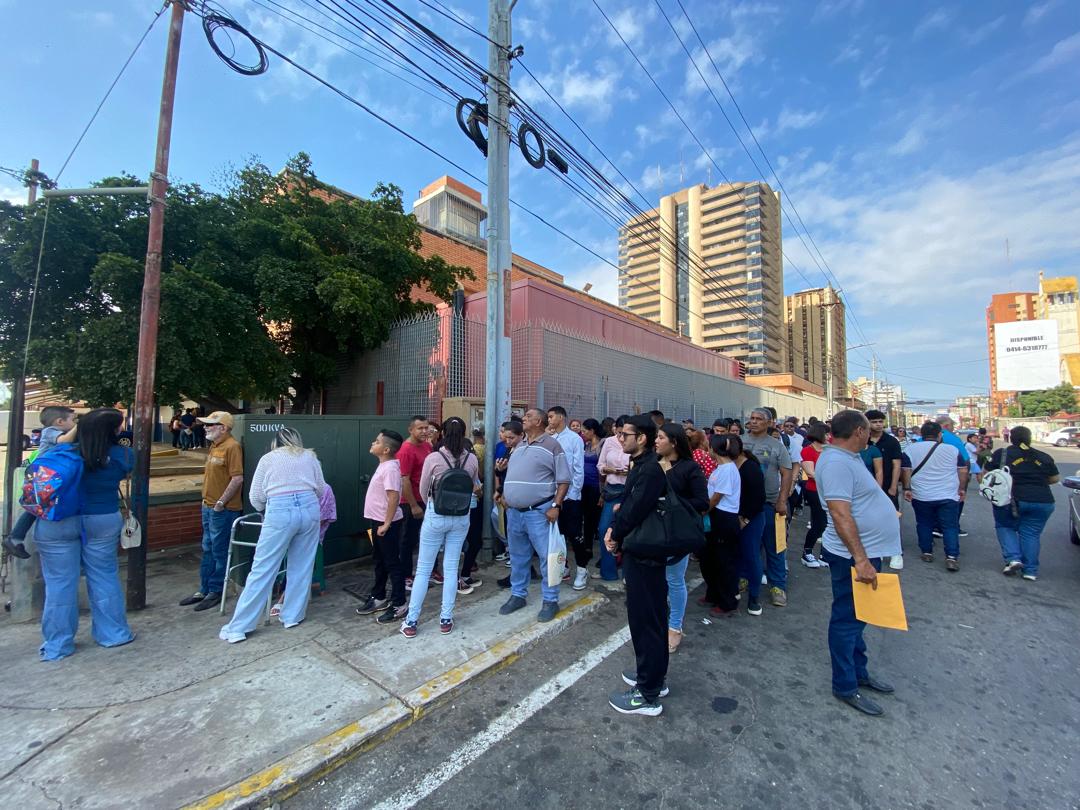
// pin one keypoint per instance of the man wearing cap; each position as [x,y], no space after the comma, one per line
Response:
[221,505]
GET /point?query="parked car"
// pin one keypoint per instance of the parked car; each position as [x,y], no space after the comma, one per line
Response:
[1072,483]
[1063,437]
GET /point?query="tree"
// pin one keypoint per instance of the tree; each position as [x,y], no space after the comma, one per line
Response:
[1047,402]
[332,272]
[264,288]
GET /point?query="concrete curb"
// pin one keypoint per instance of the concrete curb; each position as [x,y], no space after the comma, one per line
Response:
[289,774]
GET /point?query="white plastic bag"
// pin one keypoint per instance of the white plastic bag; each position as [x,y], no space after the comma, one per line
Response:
[556,556]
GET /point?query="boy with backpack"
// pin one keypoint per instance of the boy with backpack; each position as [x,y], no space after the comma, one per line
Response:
[382,509]
[56,420]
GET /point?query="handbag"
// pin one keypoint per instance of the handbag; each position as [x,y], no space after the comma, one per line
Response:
[131,533]
[669,532]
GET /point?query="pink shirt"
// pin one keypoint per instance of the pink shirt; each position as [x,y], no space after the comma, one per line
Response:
[436,464]
[387,477]
[612,455]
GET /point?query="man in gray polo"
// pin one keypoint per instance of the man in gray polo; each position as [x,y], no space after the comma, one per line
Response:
[537,480]
[776,466]
[862,529]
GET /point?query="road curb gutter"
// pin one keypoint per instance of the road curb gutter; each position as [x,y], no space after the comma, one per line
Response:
[291,773]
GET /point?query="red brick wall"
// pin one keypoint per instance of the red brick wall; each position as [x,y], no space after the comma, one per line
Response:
[174,524]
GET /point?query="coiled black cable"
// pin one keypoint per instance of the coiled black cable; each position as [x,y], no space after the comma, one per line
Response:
[214,22]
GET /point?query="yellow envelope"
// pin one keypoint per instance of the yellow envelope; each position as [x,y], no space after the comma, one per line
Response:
[781,534]
[883,607]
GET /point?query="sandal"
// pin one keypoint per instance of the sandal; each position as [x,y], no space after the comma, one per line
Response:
[275,611]
[674,639]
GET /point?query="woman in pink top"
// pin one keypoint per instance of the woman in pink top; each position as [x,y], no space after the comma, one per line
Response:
[441,532]
[613,465]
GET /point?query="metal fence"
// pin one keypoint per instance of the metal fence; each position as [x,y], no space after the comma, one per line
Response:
[442,355]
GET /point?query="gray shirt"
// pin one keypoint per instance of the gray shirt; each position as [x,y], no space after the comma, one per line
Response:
[842,476]
[534,472]
[773,457]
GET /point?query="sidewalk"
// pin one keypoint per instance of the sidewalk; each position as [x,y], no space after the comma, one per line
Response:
[180,718]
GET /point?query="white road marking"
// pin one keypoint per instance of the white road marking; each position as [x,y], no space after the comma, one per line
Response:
[500,727]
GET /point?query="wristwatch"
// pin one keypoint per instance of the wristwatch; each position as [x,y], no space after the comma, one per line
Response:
[557,506]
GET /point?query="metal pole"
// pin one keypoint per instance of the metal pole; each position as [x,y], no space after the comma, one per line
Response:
[18,402]
[148,319]
[497,379]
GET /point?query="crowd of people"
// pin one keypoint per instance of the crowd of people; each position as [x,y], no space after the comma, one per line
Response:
[597,483]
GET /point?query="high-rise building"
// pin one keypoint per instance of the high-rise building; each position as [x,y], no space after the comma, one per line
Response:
[707,262]
[817,338]
[1005,308]
[1059,300]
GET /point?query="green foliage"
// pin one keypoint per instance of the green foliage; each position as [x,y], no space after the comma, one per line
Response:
[264,288]
[1046,402]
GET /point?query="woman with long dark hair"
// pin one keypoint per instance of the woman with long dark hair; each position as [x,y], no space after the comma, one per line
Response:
[688,482]
[591,502]
[719,558]
[87,542]
[815,443]
[441,532]
[287,485]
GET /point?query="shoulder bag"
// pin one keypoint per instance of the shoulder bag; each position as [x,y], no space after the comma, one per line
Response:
[669,532]
[131,533]
[926,458]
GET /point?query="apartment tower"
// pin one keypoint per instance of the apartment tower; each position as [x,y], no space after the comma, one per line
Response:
[817,339]
[707,263]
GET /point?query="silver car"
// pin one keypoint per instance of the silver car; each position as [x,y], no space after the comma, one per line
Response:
[1072,483]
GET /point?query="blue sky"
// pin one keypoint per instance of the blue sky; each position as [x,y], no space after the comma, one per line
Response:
[913,138]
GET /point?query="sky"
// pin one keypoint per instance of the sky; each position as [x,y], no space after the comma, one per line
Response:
[932,151]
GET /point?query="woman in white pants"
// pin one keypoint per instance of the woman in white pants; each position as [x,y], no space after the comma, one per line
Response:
[287,485]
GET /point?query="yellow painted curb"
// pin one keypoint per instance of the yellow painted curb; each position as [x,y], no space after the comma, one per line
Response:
[288,775]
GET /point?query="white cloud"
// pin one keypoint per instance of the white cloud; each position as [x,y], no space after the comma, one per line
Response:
[1038,11]
[798,119]
[868,75]
[603,277]
[936,20]
[630,23]
[13,194]
[577,88]
[913,139]
[850,53]
[99,19]
[976,35]
[1063,52]
[832,8]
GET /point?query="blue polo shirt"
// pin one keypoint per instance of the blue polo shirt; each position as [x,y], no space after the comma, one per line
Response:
[949,437]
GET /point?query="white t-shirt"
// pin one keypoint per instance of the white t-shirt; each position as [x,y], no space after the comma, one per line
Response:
[794,446]
[725,480]
[939,479]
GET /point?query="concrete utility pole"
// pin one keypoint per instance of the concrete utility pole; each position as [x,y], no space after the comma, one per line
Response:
[18,400]
[148,319]
[497,379]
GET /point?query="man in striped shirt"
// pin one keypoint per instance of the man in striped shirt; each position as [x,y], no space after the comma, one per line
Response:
[537,480]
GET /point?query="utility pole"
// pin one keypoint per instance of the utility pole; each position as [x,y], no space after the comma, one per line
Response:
[499,257]
[148,318]
[18,397]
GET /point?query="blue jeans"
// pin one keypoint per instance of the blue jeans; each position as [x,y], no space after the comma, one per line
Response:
[527,532]
[676,590]
[945,514]
[846,646]
[775,561]
[290,526]
[1019,534]
[88,543]
[750,554]
[215,548]
[436,532]
[609,568]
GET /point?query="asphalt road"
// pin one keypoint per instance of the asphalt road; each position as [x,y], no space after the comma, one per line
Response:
[985,713]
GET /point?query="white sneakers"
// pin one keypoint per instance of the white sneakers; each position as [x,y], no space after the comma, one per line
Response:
[810,561]
[581,578]
[896,562]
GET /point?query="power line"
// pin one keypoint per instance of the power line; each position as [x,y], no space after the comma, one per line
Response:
[775,174]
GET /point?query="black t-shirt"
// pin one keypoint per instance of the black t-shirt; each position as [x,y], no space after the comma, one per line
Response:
[890,452]
[1030,470]
[752,495]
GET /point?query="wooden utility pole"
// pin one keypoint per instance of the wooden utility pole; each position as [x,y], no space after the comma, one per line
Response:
[148,319]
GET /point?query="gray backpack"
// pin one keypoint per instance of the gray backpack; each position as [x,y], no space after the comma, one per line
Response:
[453,490]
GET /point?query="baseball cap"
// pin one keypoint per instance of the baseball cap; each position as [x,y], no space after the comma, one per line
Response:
[218,418]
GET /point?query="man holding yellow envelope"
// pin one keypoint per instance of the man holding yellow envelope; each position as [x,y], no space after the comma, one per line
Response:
[862,529]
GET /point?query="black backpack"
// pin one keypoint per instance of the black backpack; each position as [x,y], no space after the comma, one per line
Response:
[453,491]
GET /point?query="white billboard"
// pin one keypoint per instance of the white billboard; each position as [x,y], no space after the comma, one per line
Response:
[1027,355]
